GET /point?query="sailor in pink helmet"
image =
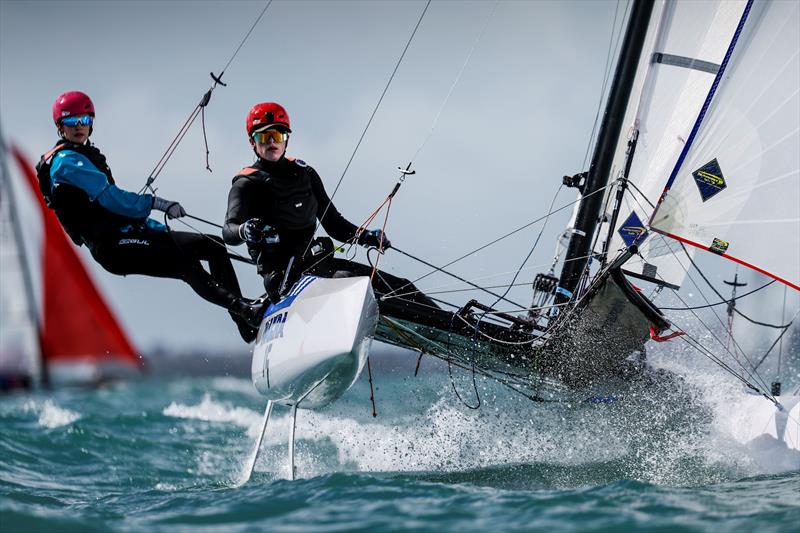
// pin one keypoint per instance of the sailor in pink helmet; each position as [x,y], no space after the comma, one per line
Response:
[114,224]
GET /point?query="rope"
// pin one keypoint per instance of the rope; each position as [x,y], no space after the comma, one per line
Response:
[775,326]
[719,303]
[456,81]
[439,289]
[430,132]
[494,339]
[392,294]
[244,39]
[199,109]
[709,305]
[779,339]
[231,253]
[783,317]
[535,243]
[450,374]
[716,338]
[372,116]
[457,360]
[689,339]
[609,55]
[480,248]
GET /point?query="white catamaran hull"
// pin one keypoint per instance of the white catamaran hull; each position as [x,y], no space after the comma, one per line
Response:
[313,344]
[771,433]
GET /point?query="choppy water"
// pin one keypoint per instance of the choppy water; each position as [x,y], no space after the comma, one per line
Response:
[166,455]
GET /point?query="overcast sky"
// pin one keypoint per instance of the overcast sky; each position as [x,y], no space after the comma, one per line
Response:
[519,118]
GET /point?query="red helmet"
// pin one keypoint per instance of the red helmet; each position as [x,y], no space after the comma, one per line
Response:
[70,104]
[267,114]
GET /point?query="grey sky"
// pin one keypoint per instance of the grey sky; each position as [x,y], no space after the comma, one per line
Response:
[518,120]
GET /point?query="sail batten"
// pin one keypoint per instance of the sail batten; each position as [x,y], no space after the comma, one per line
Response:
[686,62]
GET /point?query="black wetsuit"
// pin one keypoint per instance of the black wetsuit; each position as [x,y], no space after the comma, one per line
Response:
[113,223]
[289,196]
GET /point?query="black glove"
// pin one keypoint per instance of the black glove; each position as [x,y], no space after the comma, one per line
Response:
[374,238]
[253,230]
[172,209]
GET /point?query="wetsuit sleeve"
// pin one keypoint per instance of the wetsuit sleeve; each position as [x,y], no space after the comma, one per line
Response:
[239,210]
[334,223]
[74,169]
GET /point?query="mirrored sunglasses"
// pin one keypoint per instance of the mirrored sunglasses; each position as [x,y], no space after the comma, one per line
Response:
[263,137]
[84,120]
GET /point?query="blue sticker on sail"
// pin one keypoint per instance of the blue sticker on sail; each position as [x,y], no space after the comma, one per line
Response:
[709,179]
[632,230]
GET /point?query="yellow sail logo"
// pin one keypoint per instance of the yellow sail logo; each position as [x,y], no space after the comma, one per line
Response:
[711,179]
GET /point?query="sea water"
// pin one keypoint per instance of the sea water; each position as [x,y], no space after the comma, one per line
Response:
[166,455]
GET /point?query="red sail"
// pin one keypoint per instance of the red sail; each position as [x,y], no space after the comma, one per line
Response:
[77,325]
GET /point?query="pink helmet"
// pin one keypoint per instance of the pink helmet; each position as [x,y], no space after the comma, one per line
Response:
[70,104]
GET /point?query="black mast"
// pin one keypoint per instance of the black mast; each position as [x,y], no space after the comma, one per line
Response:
[589,210]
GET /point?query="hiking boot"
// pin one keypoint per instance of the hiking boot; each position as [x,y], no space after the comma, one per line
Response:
[246,331]
[251,311]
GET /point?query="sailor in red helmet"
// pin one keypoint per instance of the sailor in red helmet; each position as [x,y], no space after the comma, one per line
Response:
[274,205]
[114,224]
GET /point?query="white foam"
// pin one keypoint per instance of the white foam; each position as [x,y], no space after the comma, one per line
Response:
[51,415]
[445,438]
[210,410]
[659,437]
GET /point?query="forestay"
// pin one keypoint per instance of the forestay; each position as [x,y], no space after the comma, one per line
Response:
[735,188]
[685,45]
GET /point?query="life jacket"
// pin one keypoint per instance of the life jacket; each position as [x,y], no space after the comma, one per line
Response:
[46,161]
[286,200]
[85,222]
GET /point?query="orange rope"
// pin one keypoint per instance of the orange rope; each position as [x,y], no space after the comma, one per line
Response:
[388,203]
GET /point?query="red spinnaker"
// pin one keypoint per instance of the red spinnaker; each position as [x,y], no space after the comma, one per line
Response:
[77,325]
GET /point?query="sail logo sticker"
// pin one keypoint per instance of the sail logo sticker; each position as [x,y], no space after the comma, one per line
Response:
[719,246]
[709,179]
[632,230]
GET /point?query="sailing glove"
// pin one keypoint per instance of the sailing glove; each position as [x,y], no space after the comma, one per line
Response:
[374,238]
[172,209]
[253,231]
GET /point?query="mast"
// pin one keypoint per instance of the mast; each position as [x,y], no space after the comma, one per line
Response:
[7,190]
[586,220]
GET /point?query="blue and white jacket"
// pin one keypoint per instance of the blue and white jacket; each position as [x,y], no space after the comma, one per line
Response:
[85,198]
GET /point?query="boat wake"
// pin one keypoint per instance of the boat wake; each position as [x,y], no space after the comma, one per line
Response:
[664,435]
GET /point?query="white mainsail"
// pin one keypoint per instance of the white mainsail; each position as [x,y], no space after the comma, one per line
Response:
[685,44]
[19,341]
[736,188]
